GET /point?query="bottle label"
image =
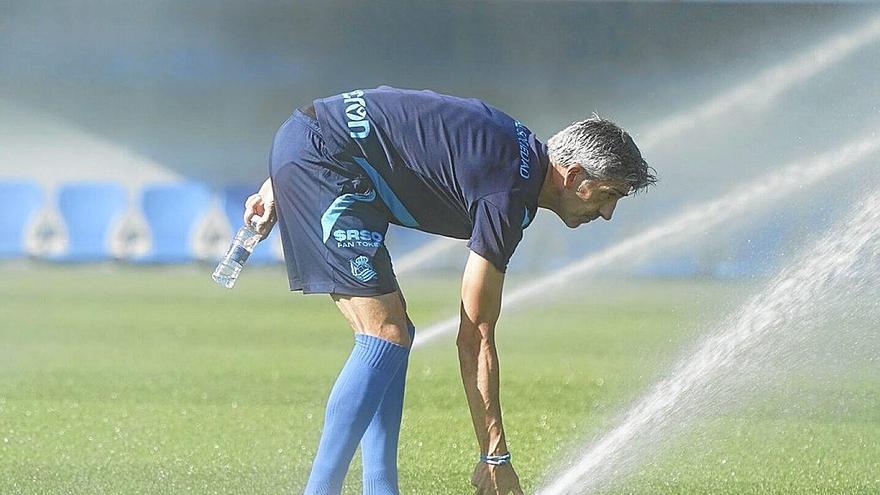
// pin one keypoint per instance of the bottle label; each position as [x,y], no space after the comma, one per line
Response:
[239,254]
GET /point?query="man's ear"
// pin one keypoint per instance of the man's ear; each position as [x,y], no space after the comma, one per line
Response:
[572,177]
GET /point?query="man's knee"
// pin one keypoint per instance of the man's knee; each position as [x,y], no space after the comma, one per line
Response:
[382,316]
[392,332]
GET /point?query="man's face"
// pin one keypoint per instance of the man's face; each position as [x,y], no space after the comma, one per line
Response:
[585,199]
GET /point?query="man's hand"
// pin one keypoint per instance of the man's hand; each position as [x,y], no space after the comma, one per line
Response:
[495,480]
[260,209]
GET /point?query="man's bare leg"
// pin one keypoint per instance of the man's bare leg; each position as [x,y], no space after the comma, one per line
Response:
[381,347]
[379,444]
[380,316]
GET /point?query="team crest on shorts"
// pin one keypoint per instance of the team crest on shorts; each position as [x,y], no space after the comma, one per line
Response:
[362,269]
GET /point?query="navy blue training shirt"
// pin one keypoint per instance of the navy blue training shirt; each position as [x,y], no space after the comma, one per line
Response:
[442,164]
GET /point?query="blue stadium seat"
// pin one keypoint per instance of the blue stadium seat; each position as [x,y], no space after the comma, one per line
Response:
[171,212]
[233,198]
[19,201]
[88,210]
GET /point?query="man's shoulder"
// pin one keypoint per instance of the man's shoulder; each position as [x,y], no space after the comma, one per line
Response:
[410,102]
[424,93]
[473,104]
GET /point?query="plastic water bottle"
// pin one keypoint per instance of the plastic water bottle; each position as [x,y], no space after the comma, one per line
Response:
[230,266]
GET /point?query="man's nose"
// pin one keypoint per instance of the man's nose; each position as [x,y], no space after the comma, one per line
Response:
[607,210]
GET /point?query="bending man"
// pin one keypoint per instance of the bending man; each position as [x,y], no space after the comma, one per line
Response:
[344,167]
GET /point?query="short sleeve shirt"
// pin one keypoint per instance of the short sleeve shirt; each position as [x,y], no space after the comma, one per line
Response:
[442,164]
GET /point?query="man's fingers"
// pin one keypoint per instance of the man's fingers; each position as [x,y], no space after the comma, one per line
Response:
[250,207]
[475,480]
[486,487]
[268,214]
[264,220]
[261,219]
[251,200]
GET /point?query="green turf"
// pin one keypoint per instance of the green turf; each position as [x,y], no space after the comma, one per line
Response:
[139,380]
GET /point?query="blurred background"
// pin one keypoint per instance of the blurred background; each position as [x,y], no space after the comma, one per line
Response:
[131,133]
[105,106]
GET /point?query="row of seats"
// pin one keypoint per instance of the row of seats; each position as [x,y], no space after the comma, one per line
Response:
[171,211]
[89,209]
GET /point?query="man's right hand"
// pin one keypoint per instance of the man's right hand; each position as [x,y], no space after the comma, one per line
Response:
[495,480]
[259,209]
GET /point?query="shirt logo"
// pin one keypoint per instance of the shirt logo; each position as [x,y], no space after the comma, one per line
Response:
[356,113]
[357,238]
[362,269]
[522,136]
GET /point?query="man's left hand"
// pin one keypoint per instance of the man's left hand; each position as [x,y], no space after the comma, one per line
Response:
[259,209]
[495,480]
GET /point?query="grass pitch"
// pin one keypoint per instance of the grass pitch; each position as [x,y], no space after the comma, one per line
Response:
[155,381]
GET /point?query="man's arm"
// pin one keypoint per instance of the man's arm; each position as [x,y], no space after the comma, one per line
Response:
[481,288]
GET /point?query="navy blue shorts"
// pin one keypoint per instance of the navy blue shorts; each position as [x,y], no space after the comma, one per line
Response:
[332,222]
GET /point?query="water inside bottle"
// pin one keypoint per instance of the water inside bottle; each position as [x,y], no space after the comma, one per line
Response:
[227,273]
[230,266]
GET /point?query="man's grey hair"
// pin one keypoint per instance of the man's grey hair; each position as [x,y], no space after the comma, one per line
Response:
[604,150]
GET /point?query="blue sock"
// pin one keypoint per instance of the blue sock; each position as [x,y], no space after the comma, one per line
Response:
[352,404]
[379,445]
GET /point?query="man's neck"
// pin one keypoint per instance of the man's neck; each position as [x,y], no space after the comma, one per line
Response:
[547,197]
